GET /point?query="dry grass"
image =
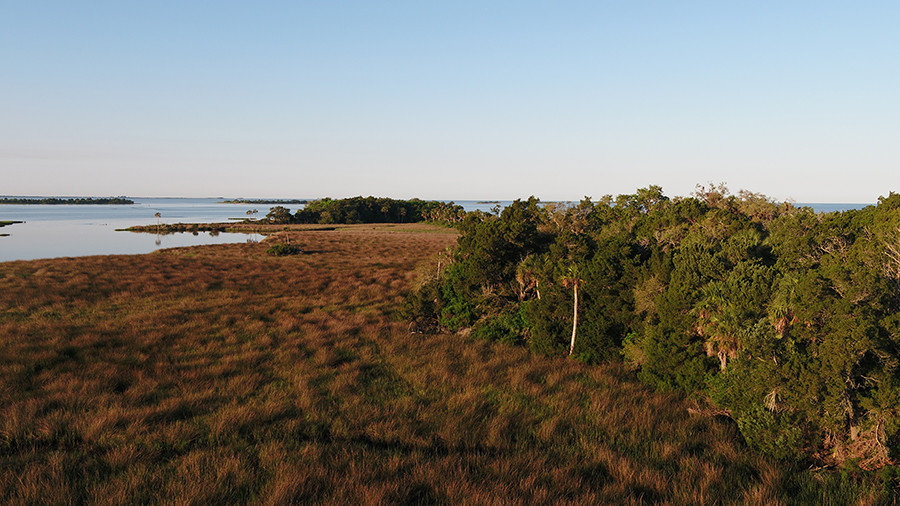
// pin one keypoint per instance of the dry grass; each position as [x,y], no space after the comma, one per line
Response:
[218,374]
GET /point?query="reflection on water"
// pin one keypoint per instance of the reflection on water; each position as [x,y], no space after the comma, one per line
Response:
[50,239]
[70,230]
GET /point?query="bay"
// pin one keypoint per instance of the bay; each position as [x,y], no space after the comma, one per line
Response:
[51,231]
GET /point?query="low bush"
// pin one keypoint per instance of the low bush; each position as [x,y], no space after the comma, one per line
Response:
[282,249]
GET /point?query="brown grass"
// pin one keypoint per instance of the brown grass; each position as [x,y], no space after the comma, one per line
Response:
[218,374]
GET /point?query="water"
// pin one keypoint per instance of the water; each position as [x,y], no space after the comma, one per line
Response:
[828,207]
[53,231]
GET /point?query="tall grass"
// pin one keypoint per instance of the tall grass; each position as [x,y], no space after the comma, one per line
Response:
[220,374]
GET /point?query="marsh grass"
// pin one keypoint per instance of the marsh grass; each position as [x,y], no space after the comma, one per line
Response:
[220,374]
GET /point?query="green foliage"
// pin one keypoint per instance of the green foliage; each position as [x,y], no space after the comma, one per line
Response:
[675,360]
[378,210]
[786,319]
[281,249]
[548,321]
[508,326]
[456,307]
[776,434]
[265,201]
[279,215]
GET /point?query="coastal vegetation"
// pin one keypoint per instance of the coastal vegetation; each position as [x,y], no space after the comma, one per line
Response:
[246,226]
[223,374]
[265,201]
[369,210]
[66,201]
[173,228]
[783,320]
[326,211]
[283,249]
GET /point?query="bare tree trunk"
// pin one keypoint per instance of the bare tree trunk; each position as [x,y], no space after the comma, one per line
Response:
[574,319]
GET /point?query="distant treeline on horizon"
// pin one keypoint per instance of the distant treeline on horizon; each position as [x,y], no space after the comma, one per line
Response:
[66,201]
[265,201]
[369,210]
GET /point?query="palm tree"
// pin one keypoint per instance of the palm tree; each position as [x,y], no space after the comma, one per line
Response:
[527,277]
[573,280]
[158,216]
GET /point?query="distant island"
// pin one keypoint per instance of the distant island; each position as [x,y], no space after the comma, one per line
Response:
[488,202]
[81,201]
[264,201]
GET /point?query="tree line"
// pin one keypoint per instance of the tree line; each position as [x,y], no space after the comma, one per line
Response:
[784,319]
[264,201]
[67,201]
[369,210]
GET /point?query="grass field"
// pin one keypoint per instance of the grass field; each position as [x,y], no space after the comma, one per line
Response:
[219,374]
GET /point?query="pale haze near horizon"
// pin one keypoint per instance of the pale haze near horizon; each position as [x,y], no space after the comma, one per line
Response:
[449,100]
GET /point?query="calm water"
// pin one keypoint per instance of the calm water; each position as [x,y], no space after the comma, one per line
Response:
[53,231]
[827,208]
[65,231]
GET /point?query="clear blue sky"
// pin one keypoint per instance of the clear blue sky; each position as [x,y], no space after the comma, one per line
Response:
[449,100]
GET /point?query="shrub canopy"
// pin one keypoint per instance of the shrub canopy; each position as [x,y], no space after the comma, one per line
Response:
[786,319]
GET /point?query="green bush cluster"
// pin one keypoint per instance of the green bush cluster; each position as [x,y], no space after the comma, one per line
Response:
[785,319]
[369,210]
[282,249]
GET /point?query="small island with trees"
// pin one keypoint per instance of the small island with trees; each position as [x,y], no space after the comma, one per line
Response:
[369,210]
[327,211]
[76,201]
[266,201]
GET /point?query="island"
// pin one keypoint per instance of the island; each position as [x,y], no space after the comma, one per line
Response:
[66,201]
[264,201]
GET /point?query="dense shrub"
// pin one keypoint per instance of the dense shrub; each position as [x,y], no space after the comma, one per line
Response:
[282,249]
[369,210]
[787,320]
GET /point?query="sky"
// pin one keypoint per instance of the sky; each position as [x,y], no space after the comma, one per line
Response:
[449,100]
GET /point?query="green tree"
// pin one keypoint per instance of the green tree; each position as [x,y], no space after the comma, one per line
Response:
[279,214]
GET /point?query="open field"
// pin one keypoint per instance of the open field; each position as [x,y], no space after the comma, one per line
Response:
[219,374]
